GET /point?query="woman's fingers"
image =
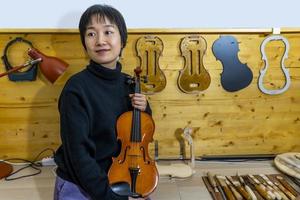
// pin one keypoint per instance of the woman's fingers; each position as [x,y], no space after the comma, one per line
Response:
[139,101]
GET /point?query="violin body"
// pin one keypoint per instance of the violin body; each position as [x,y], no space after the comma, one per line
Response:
[135,155]
[133,165]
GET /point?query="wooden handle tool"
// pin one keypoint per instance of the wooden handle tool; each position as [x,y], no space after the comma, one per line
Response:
[269,186]
[287,185]
[234,191]
[31,62]
[261,189]
[222,182]
[212,181]
[215,193]
[239,187]
[285,191]
[247,188]
[268,189]
[279,194]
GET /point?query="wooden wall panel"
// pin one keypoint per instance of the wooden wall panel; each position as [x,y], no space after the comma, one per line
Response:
[224,123]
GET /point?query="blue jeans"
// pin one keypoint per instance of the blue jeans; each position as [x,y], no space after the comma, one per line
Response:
[65,190]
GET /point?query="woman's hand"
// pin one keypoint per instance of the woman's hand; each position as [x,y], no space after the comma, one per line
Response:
[138,101]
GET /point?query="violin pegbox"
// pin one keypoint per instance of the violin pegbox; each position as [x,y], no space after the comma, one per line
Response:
[144,79]
[132,79]
[263,71]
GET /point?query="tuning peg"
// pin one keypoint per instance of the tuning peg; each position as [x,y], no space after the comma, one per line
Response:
[145,79]
[130,80]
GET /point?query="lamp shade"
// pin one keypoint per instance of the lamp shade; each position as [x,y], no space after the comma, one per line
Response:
[51,67]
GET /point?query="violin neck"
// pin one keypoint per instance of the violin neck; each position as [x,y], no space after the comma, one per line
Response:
[136,117]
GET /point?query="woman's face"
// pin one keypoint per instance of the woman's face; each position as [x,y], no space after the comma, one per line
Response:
[103,42]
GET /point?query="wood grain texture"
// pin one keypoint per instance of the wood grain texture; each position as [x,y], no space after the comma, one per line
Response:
[243,122]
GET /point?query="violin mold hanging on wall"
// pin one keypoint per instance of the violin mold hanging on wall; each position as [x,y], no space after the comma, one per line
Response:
[235,75]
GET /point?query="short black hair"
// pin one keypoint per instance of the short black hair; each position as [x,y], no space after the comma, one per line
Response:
[102,11]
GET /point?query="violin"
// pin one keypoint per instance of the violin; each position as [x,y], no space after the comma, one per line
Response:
[133,165]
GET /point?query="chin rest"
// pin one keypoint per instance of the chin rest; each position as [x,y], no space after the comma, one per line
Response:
[123,189]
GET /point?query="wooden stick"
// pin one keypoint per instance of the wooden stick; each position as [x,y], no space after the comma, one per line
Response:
[222,182]
[260,188]
[239,188]
[14,69]
[247,187]
[287,185]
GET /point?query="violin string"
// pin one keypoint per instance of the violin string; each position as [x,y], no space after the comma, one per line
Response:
[139,125]
[136,120]
[135,141]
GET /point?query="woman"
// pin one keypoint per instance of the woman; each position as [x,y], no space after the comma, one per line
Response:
[89,106]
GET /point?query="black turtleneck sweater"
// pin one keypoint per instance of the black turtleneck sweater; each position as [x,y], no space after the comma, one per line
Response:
[89,106]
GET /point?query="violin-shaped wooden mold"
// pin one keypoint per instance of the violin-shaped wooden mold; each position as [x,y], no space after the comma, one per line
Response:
[235,75]
[149,49]
[193,77]
[263,71]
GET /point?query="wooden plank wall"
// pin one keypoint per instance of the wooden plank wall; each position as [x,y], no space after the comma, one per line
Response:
[224,123]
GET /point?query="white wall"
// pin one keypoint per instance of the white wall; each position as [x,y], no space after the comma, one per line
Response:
[155,13]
